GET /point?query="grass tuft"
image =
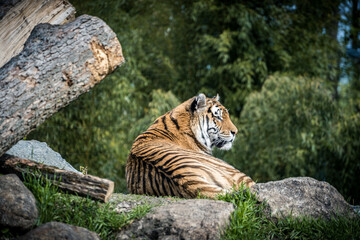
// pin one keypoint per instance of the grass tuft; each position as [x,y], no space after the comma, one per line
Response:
[248,221]
[55,205]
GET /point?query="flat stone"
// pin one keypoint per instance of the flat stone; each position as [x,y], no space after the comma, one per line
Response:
[57,230]
[125,203]
[186,219]
[17,204]
[40,152]
[302,196]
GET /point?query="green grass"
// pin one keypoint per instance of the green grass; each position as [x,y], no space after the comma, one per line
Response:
[55,205]
[248,221]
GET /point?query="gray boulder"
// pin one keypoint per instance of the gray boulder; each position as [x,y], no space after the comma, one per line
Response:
[125,203]
[59,231]
[302,196]
[40,152]
[17,204]
[186,219]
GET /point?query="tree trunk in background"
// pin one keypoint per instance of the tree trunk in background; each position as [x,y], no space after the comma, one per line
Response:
[355,44]
[355,24]
[58,63]
[19,17]
[332,28]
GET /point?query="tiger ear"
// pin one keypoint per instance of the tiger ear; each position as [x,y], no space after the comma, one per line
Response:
[199,102]
[217,97]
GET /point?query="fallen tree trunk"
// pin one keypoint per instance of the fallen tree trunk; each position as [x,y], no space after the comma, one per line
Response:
[58,63]
[19,17]
[82,185]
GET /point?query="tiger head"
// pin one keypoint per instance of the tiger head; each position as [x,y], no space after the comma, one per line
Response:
[211,124]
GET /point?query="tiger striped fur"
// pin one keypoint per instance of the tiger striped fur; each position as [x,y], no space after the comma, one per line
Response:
[173,157]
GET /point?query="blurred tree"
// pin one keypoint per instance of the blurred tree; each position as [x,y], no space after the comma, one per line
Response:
[293,127]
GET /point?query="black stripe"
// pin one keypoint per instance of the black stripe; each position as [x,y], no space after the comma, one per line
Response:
[144,153]
[182,175]
[143,178]
[191,182]
[180,167]
[180,159]
[170,160]
[171,191]
[175,189]
[168,133]
[133,174]
[202,134]
[136,185]
[163,133]
[141,137]
[213,178]
[163,120]
[195,140]
[161,158]
[163,186]
[156,181]
[144,135]
[174,121]
[150,178]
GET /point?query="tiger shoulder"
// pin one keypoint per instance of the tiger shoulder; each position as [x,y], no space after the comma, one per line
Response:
[173,156]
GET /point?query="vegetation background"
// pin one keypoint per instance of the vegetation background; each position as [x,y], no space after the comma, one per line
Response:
[288,70]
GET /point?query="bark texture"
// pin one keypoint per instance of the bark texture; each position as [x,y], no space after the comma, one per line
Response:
[83,185]
[19,17]
[58,63]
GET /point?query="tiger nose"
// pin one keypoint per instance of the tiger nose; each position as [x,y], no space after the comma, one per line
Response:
[234,131]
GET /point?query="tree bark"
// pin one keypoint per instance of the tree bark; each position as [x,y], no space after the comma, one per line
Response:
[58,63]
[83,185]
[355,24]
[19,17]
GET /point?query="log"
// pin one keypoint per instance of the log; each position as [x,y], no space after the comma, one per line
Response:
[58,63]
[82,185]
[19,17]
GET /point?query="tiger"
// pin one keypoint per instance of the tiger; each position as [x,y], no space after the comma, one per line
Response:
[173,157]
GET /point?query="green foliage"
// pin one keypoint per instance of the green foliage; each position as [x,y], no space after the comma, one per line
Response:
[161,103]
[293,127]
[248,221]
[247,41]
[55,205]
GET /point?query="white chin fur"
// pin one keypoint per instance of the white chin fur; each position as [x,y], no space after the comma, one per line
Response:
[227,146]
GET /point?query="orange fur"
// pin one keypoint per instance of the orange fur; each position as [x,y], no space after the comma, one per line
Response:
[173,157]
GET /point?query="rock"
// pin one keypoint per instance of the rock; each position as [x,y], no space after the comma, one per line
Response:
[186,219]
[124,203]
[356,209]
[40,152]
[17,204]
[302,196]
[57,230]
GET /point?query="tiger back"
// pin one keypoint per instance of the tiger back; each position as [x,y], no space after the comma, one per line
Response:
[173,156]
